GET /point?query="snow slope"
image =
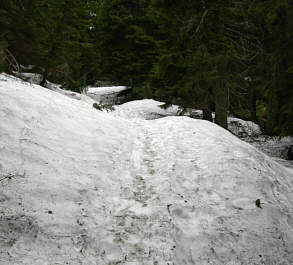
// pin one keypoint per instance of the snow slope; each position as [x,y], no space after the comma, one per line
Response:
[151,109]
[79,186]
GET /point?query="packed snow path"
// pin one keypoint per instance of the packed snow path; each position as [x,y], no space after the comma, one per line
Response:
[196,185]
[85,187]
[142,216]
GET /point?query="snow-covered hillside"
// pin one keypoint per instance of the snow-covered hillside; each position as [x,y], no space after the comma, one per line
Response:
[80,186]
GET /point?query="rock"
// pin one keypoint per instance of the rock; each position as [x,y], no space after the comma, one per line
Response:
[242,128]
[33,78]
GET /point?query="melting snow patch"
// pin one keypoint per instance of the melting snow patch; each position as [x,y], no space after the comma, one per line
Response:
[105,90]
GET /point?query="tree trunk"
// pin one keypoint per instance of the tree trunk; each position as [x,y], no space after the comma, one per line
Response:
[207,108]
[2,59]
[207,115]
[221,102]
[252,103]
[43,82]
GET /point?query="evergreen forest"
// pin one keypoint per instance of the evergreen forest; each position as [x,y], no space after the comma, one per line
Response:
[222,56]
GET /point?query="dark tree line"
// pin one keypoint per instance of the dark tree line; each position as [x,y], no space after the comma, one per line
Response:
[217,55]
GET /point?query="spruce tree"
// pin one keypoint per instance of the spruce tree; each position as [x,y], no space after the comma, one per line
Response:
[280,57]
[63,29]
[126,50]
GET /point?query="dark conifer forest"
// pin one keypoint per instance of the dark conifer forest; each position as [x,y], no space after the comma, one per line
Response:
[215,55]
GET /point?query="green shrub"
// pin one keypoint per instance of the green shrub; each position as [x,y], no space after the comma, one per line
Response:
[107,107]
[97,106]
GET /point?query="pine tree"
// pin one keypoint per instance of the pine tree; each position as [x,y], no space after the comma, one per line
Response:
[271,71]
[126,50]
[205,49]
[63,27]
[52,36]
[194,61]
[280,54]
[15,30]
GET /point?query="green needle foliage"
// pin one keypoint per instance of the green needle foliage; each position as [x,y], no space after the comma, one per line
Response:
[217,55]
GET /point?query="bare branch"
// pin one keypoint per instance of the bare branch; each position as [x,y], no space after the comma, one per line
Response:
[201,20]
[12,61]
[12,175]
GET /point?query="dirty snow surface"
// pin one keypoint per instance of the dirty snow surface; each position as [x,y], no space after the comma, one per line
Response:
[80,186]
